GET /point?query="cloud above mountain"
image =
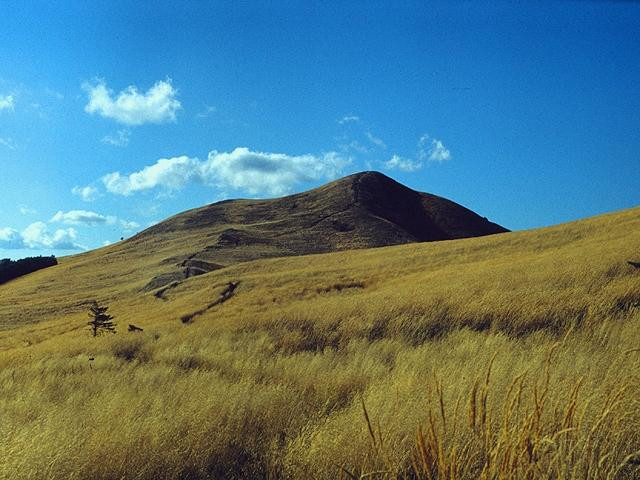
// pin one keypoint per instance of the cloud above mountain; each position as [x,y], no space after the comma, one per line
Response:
[131,107]
[241,169]
[88,193]
[404,164]
[91,219]
[82,217]
[6,102]
[430,150]
[37,236]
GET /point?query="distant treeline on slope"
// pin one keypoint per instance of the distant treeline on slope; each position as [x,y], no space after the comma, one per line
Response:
[10,269]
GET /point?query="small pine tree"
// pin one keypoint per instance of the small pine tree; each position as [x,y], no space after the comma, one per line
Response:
[100,320]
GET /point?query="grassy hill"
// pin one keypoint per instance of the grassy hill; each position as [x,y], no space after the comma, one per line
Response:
[506,356]
[363,210]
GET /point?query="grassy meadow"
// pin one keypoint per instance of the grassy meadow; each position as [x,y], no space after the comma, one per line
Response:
[509,356]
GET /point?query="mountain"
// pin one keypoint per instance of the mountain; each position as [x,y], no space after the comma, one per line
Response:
[360,211]
[266,365]
[363,210]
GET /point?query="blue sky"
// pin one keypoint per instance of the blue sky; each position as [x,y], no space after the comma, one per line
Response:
[115,115]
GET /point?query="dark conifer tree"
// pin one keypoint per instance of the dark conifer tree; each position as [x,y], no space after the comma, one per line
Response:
[100,321]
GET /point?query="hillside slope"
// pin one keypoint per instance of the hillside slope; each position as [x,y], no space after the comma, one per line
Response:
[534,267]
[506,356]
[363,210]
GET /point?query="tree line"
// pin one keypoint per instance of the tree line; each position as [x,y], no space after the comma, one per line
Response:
[10,269]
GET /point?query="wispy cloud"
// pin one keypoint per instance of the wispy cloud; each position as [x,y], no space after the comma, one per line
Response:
[130,107]
[349,119]
[378,142]
[401,163]
[363,131]
[25,210]
[438,152]
[206,111]
[36,236]
[54,93]
[7,102]
[120,139]
[354,146]
[89,218]
[432,150]
[242,169]
[82,217]
[87,194]
[129,226]
[8,143]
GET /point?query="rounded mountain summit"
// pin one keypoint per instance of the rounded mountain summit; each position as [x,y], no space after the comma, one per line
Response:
[363,210]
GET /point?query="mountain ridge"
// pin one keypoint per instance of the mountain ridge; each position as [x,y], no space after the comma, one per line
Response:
[357,212]
[375,181]
[363,210]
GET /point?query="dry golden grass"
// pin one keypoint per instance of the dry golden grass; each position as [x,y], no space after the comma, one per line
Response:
[511,356]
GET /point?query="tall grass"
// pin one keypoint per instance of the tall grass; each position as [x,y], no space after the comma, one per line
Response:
[532,409]
[514,356]
[468,405]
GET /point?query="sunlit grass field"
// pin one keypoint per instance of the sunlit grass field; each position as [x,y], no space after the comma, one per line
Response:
[510,356]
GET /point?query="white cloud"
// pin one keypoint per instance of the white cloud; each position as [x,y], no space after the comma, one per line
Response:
[241,169]
[376,141]
[120,139]
[129,225]
[208,110]
[88,218]
[10,238]
[82,217]
[429,150]
[88,193]
[272,173]
[130,107]
[54,93]
[8,142]
[349,119]
[36,236]
[432,150]
[354,146]
[25,210]
[6,102]
[404,164]
[171,173]
[438,152]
